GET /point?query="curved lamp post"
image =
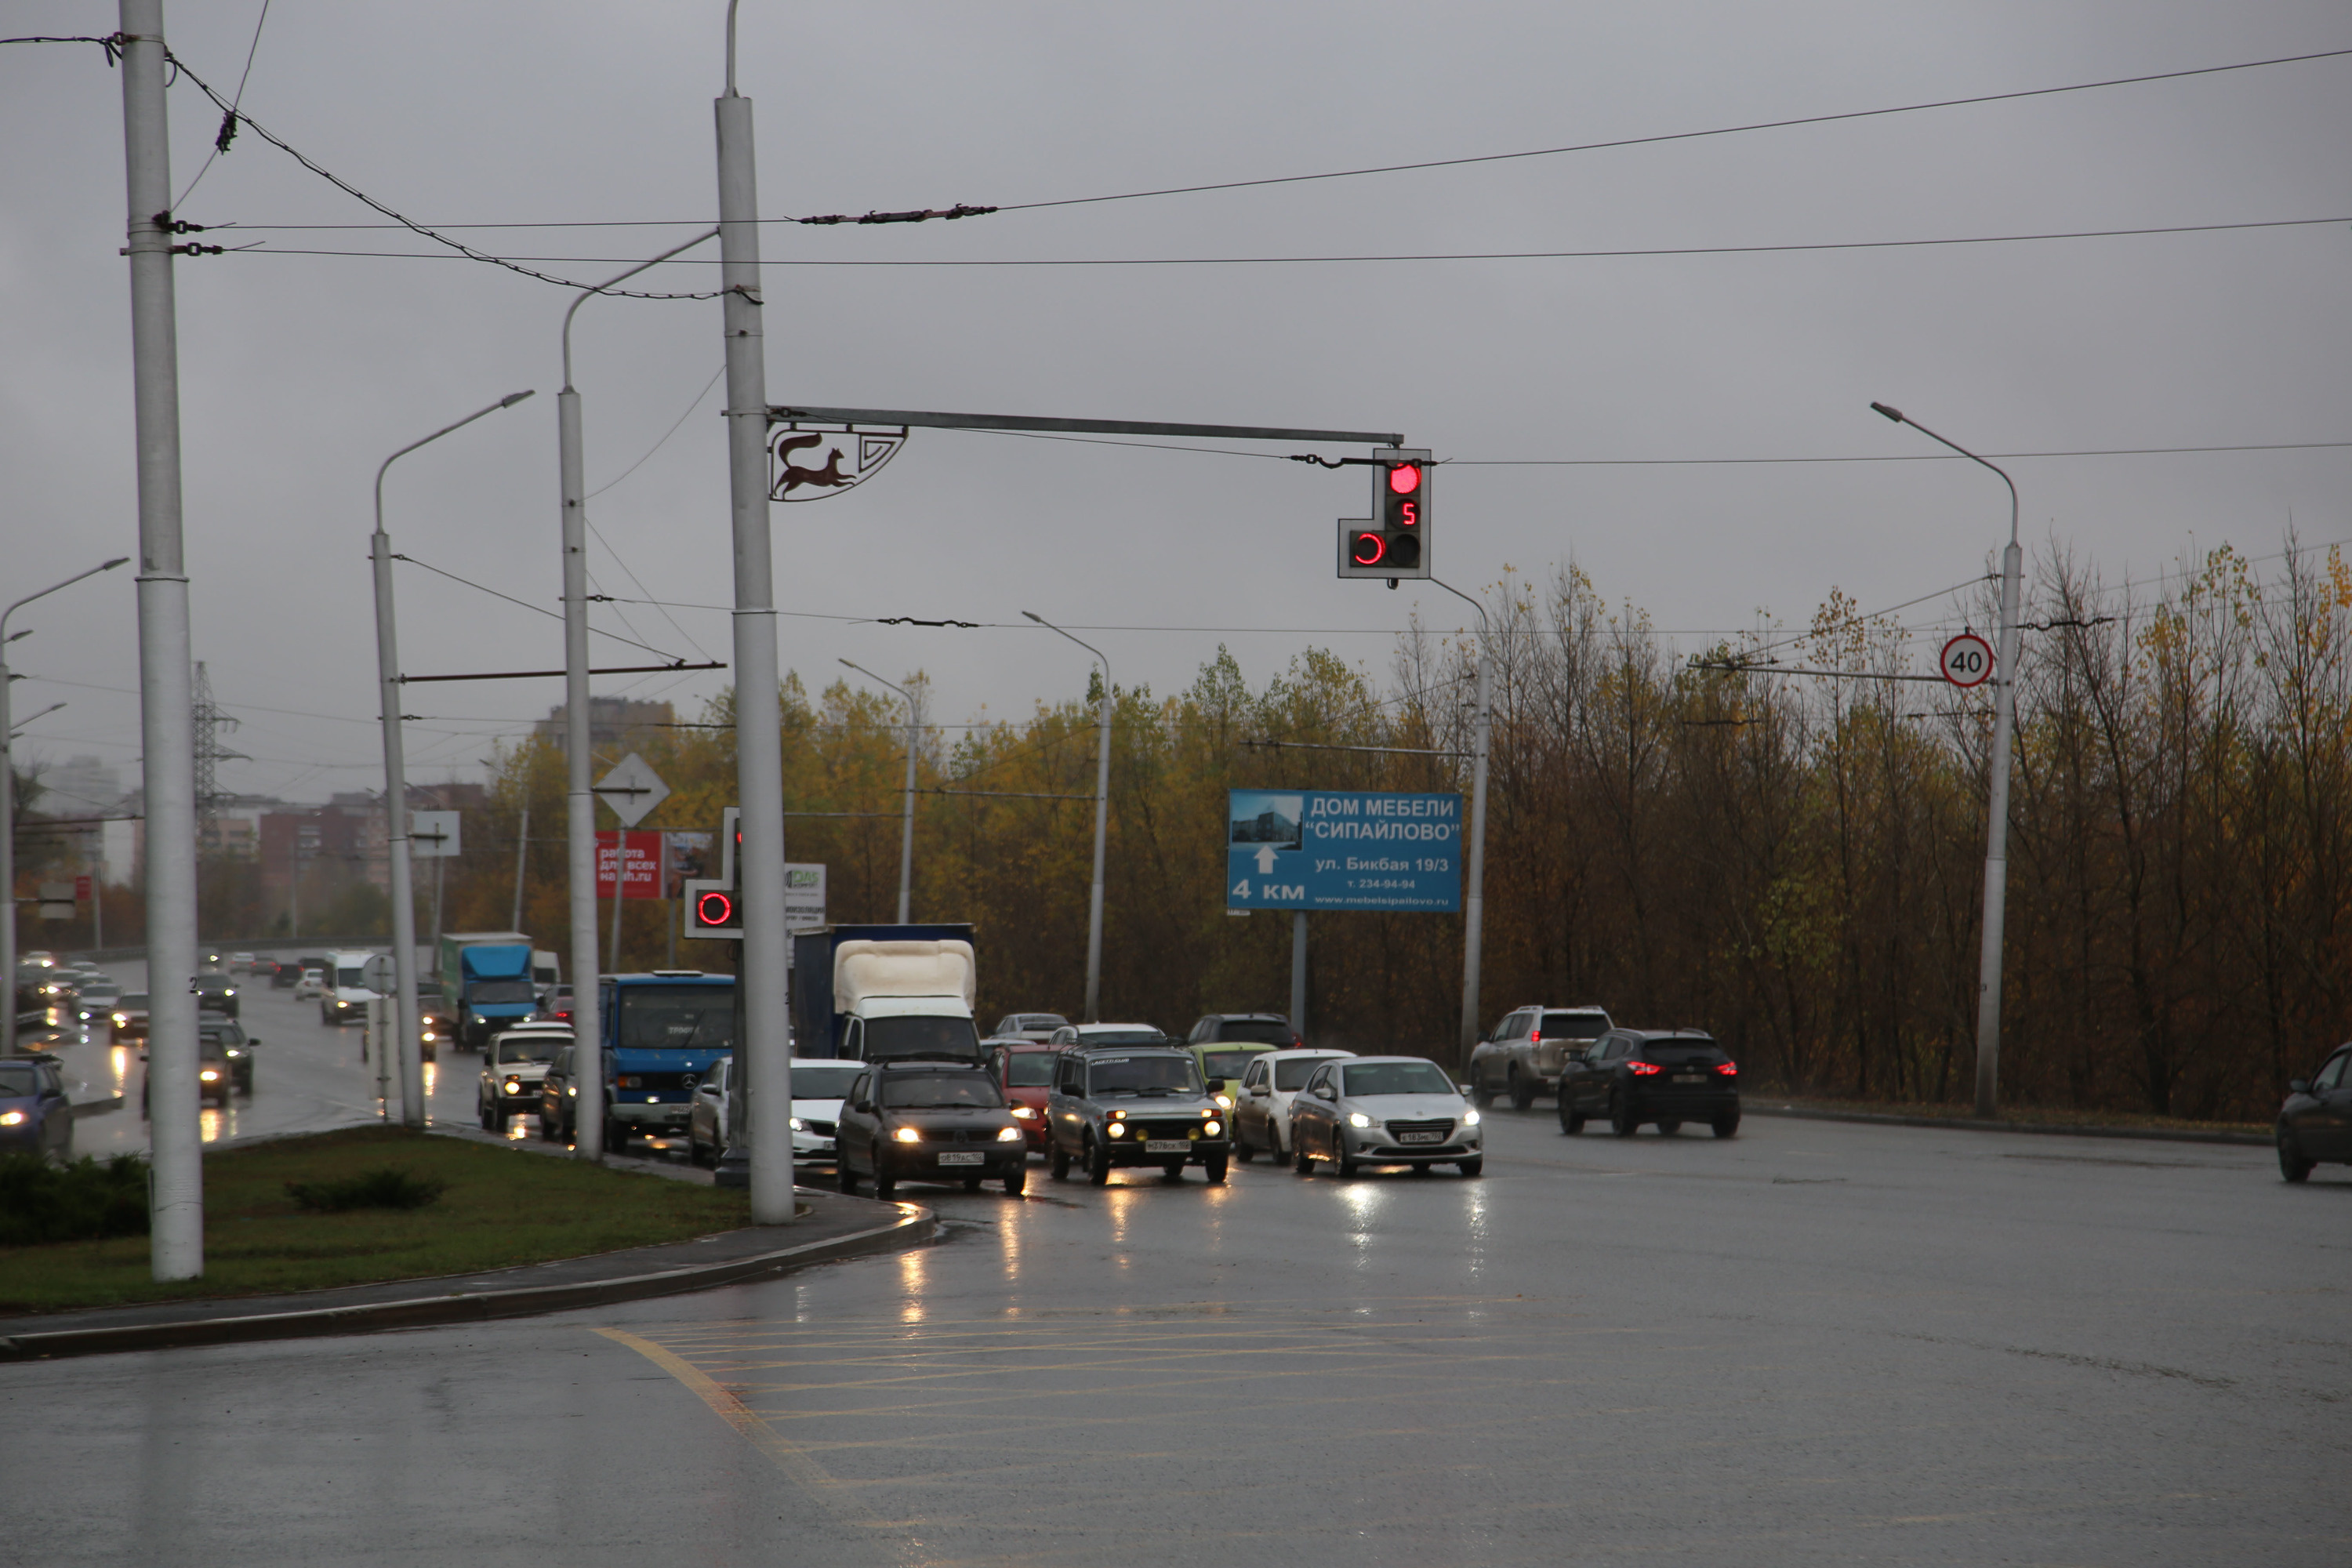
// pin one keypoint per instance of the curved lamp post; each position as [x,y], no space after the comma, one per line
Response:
[8,795]
[1102,813]
[395,791]
[2004,722]
[906,835]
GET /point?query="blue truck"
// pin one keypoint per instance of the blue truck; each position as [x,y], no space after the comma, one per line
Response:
[662,1033]
[486,983]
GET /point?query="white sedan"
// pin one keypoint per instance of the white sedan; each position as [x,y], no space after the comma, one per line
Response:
[1262,1116]
[1385,1110]
[819,1085]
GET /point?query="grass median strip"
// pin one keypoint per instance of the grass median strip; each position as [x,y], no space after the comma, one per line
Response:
[499,1207]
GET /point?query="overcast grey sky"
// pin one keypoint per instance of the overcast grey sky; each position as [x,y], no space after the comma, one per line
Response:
[300,373]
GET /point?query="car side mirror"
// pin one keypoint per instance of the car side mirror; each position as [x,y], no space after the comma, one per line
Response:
[250,1044]
[2298,1086]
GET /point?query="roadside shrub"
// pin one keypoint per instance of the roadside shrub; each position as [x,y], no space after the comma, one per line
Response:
[84,1201]
[388,1188]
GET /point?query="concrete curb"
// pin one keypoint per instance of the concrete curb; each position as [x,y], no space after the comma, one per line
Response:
[1970,1124]
[914,1228]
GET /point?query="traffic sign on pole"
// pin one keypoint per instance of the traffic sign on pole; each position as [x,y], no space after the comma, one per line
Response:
[632,790]
[1967,661]
[377,974]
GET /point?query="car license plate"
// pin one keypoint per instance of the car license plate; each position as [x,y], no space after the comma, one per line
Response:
[1690,1078]
[1421,1138]
[1167,1146]
[969,1157]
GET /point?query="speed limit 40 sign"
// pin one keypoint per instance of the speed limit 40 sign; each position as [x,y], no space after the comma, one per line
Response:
[1967,661]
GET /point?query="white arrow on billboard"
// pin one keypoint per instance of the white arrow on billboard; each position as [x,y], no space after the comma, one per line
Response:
[1266,859]
[632,789]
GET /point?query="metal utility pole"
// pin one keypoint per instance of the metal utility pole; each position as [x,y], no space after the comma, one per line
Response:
[1298,974]
[906,831]
[8,799]
[1474,885]
[395,793]
[766,1049]
[1102,817]
[166,708]
[2005,722]
[522,852]
[578,785]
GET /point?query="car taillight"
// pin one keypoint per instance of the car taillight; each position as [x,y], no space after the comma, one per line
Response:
[1728,1069]
[1645,1068]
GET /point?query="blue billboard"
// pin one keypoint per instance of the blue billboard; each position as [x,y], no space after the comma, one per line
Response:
[1343,849]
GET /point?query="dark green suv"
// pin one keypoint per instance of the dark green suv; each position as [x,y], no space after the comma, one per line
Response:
[1133,1105]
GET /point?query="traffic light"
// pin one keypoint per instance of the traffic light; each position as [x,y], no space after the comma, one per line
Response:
[713,909]
[1395,540]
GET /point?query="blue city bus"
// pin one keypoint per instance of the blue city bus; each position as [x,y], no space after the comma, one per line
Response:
[662,1032]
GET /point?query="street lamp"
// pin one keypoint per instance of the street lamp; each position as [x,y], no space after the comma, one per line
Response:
[2005,722]
[1102,813]
[395,792]
[579,796]
[1474,888]
[9,794]
[907,833]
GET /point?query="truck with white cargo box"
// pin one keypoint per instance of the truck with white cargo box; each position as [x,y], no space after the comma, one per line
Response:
[875,992]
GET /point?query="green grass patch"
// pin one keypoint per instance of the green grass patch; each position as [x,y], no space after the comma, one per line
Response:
[498,1207]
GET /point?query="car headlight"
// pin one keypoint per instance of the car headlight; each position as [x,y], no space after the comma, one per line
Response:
[572,1089]
[1119,1129]
[514,1086]
[1008,1135]
[1211,1128]
[1024,1114]
[1224,1101]
[1358,1118]
[798,1128]
[12,1119]
[426,1034]
[908,1135]
[1470,1117]
[209,1075]
[122,1017]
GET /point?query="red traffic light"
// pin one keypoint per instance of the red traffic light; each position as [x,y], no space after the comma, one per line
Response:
[1366,548]
[1404,478]
[715,910]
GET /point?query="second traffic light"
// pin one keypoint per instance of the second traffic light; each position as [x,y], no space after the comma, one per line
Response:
[1395,540]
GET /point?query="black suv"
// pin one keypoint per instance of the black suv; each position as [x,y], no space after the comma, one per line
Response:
[1133,1105]
[1663,1075]
[934,1120]
[1250,1028]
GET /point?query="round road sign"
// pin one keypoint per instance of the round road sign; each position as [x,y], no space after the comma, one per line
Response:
[377,974]
[1967,661]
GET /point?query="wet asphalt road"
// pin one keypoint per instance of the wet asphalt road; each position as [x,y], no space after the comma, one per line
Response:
[1818,1342]
[308,1077]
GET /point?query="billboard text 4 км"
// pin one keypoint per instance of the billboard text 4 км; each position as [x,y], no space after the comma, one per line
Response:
[1343,849]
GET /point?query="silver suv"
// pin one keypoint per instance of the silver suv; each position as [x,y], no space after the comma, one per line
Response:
[1525,1055]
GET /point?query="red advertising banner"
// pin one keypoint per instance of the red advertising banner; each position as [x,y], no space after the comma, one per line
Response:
[637,856]
[81,889]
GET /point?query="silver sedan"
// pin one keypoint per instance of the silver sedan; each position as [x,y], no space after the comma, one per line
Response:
[1384,1111]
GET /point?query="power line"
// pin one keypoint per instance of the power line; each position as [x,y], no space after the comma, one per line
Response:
[1678,135]
[1635,253]
[228,123]
[526,605]
[658,446]
[1619,142]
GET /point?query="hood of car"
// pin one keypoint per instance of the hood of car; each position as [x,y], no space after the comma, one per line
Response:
[823,1110]
[1152,1107]
[1406,1107]
[521,1069]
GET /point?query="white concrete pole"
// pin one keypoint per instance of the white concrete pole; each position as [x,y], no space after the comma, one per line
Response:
[758,742]
[1298,974]
[167,719]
